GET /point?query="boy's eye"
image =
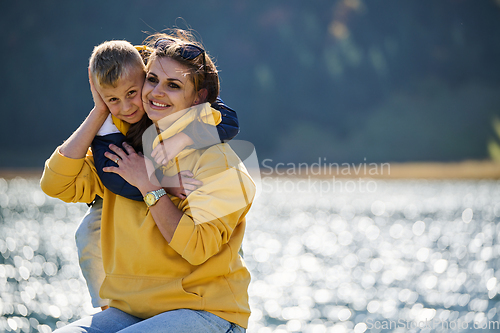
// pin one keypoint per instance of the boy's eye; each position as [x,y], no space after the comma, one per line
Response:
[132,92]
[113,99]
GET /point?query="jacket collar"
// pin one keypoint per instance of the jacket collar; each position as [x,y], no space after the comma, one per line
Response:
[203,112]
[121,125]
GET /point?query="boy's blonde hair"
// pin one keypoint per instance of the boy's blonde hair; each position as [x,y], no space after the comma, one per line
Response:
[113,59]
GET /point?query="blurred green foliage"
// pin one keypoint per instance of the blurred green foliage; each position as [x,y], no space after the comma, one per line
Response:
[346,80]
[493,144]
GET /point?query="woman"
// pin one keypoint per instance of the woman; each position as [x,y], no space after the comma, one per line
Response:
[171,265]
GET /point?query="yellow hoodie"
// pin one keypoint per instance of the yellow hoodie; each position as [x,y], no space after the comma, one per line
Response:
[200,268]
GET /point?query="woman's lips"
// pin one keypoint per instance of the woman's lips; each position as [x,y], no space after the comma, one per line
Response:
[158,105]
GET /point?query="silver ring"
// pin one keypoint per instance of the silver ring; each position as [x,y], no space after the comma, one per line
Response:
[116,161]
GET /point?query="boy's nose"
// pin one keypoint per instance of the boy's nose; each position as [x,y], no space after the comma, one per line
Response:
[127,106]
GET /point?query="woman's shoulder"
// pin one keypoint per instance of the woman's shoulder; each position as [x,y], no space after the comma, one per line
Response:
[221,153]
[221,165]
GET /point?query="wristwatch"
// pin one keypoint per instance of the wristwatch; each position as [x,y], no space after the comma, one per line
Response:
[151,198]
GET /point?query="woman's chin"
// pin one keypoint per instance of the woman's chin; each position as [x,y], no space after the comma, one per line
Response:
[154,116]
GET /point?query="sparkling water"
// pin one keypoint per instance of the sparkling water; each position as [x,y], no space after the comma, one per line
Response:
[395,256]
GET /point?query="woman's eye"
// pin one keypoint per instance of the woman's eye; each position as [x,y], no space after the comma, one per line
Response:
[152,79]
[173,85]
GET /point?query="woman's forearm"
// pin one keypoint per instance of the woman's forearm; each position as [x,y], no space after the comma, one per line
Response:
[165,214]
[78,143]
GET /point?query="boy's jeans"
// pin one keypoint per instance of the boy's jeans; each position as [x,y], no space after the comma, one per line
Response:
[88,243]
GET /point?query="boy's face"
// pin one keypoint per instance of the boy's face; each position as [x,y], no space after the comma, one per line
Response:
[124,101]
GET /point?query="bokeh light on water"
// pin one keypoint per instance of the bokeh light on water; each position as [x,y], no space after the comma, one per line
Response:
[337,262]
[40,283]
[409,252]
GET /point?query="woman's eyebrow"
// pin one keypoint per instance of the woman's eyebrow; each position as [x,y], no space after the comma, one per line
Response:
[168,78]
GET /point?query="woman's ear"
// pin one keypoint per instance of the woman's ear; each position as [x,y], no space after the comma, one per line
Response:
[201,96]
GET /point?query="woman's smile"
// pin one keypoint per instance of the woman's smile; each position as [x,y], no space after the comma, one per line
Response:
[155,104]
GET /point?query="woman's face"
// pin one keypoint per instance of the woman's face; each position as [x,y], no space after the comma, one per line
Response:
[168,89]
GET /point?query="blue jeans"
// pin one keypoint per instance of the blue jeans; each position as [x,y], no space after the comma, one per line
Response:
[175,321]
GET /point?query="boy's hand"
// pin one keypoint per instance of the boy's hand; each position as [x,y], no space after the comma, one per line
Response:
[181,185]
[99,104]
[170,148]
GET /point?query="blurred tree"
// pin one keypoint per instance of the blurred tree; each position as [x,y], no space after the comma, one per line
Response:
[493,143]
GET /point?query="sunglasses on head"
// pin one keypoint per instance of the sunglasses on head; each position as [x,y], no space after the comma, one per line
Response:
[186,51]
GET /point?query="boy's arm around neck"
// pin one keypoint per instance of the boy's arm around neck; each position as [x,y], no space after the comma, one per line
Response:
[227,129]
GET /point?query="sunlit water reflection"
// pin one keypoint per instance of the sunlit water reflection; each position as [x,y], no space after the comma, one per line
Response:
[412,256]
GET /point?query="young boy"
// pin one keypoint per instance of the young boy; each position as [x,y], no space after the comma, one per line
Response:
[117,74]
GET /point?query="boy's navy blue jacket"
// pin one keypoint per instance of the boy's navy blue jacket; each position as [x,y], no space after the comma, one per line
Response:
[227,129]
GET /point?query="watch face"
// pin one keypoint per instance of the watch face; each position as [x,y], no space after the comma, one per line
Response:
[149,199]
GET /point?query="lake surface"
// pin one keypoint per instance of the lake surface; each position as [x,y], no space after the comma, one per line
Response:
[385,256]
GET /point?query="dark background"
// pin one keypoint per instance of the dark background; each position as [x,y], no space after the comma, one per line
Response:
[345,80]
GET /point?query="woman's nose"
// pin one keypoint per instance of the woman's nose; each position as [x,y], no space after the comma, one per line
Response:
[158,91]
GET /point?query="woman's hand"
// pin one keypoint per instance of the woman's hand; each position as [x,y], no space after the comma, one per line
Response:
[181,185]
[133,168]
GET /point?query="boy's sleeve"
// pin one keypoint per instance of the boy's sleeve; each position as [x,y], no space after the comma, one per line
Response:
[227,129]
[113,182]
[229,126]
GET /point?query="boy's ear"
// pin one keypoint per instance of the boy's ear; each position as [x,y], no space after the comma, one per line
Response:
[201,96]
